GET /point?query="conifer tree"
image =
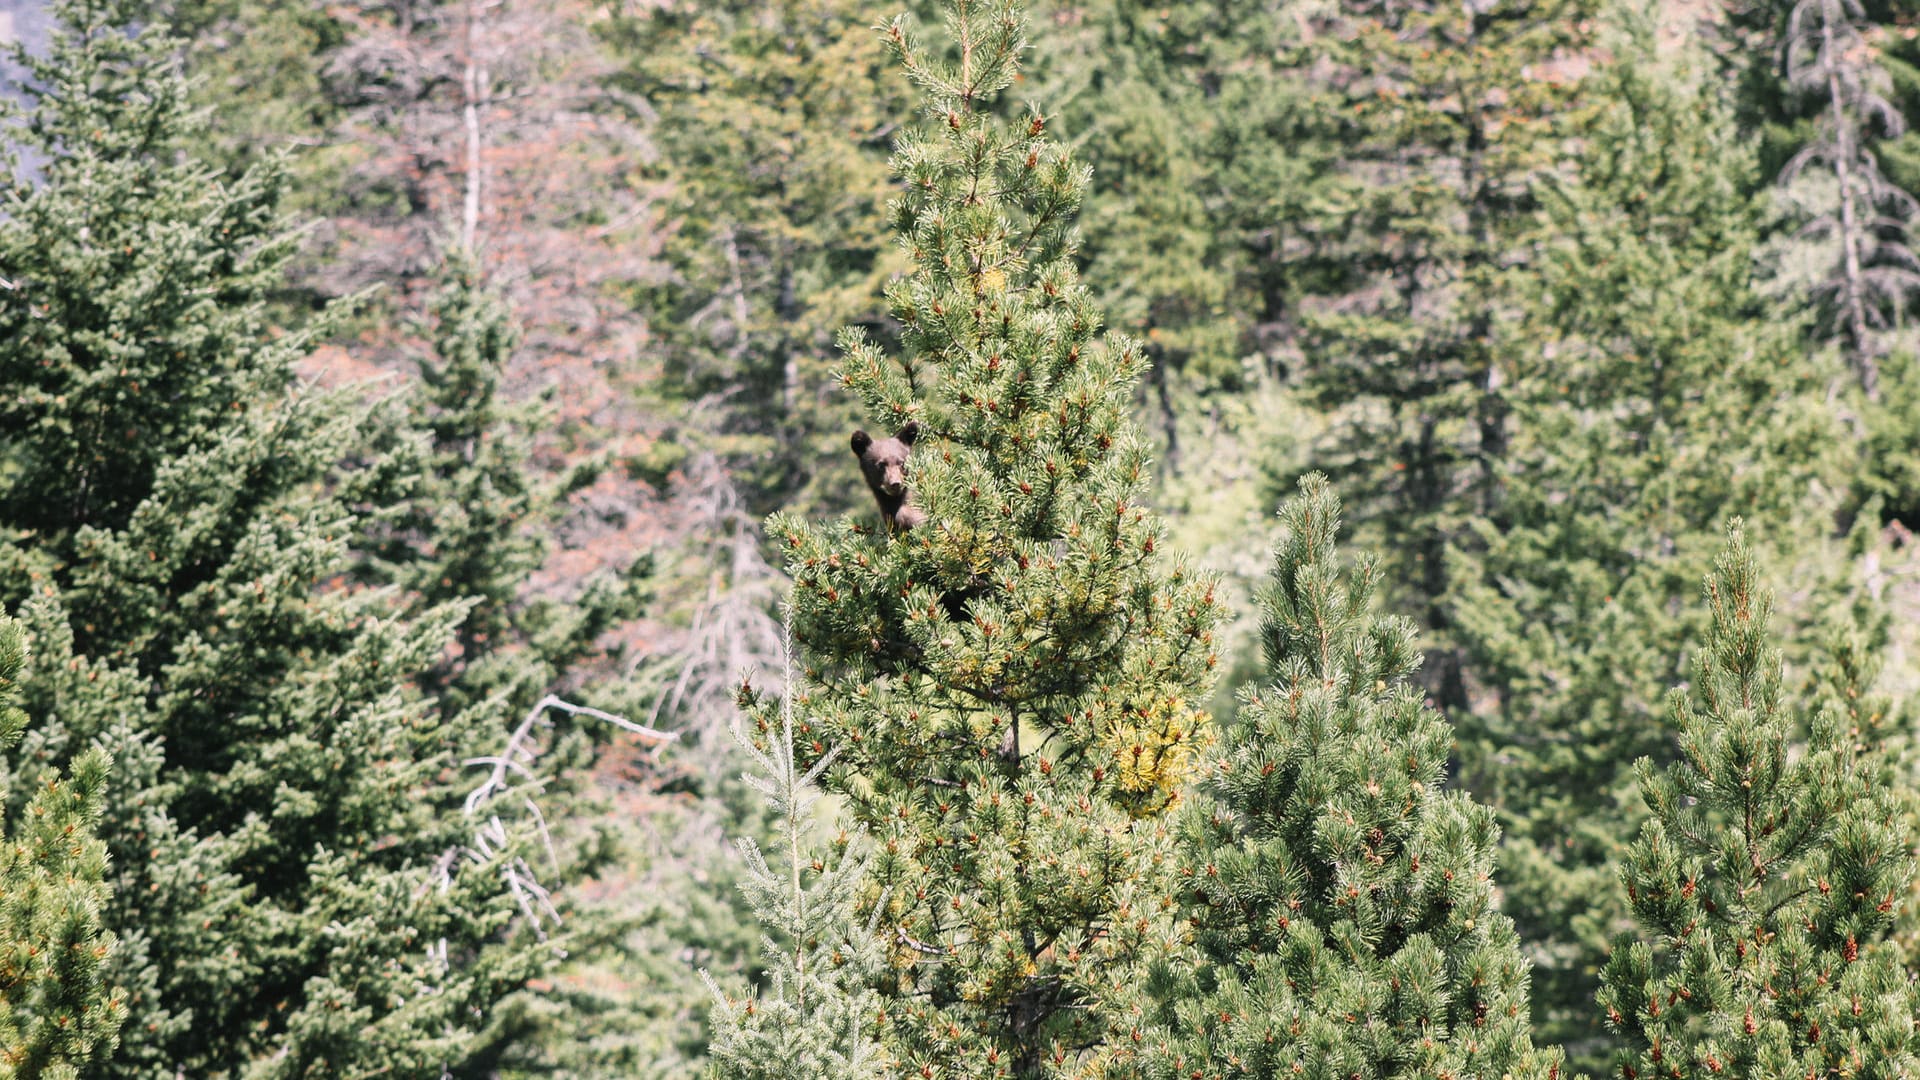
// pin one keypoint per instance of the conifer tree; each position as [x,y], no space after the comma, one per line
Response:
[773,122]
[1214,150]
[295,891]
[1767,880]
[1652,390]
[1870,275]
[816,1020]
[1217,171]
[470,523]
[1453,109]
[57,1010]
[1341,903]
[1157,96]
[1013,684]
[475,520]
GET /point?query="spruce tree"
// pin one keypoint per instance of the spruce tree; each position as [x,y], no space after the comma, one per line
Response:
[1341,903]
[57,1010]
[474,521]
[1013,685]
[1157,96]
[818,1016]
[295,891]
[1448,111]
[457,513]
[1652,390]
[1767,880]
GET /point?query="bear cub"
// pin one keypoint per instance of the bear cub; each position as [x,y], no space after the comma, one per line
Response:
[885,464]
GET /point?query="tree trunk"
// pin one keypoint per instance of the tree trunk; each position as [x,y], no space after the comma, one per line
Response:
[1852,302]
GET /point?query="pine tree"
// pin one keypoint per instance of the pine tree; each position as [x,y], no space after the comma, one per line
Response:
[1766,882]
[1013,685]
[294,888]
[1652,390]
[814,1020]
[1219,204]
[1340,902]
[57,1010]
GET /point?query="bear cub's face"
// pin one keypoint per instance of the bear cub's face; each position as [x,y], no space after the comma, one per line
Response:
[885,462]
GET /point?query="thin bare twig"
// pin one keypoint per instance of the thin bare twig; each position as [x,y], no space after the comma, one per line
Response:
[517,758]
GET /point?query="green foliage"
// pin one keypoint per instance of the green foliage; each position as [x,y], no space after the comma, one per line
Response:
[772,123]
[291,880]
[1215,158]
[457,513]
[1341,902]
[58,1012]
[96,412]
[258,69]
[1201,136]
[812,1021]
[1012,684]
[1890,446]
[1500,268]
[1445,113]
[474,522]
[1649,395]
[1766,881]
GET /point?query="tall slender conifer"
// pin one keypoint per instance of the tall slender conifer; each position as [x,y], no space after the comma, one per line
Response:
[1769,877]
[1013,685]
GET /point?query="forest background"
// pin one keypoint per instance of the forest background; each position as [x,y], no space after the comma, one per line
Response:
[548,291]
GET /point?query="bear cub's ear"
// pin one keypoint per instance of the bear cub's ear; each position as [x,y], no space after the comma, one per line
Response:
[909,433]
[861,440]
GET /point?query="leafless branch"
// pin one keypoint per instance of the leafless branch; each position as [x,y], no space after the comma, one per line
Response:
[490,837]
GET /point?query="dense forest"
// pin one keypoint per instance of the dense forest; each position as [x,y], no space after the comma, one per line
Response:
[1070,539]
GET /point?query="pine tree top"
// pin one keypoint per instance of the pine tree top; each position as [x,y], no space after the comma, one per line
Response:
[1013,680]
[1768,879]
[1341,902]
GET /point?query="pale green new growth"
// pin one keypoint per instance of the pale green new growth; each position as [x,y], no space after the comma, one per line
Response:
[813,1022]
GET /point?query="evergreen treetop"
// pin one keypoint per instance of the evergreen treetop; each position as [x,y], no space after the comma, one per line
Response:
[1442,115]
[1340,901]
[1014,684]
[1767,880]
[95,410]
[818,1017]
[294,889]
[471,520]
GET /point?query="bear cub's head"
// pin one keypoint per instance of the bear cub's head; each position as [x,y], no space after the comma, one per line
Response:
[885,461]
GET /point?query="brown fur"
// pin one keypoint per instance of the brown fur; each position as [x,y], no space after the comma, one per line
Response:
[884,463]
